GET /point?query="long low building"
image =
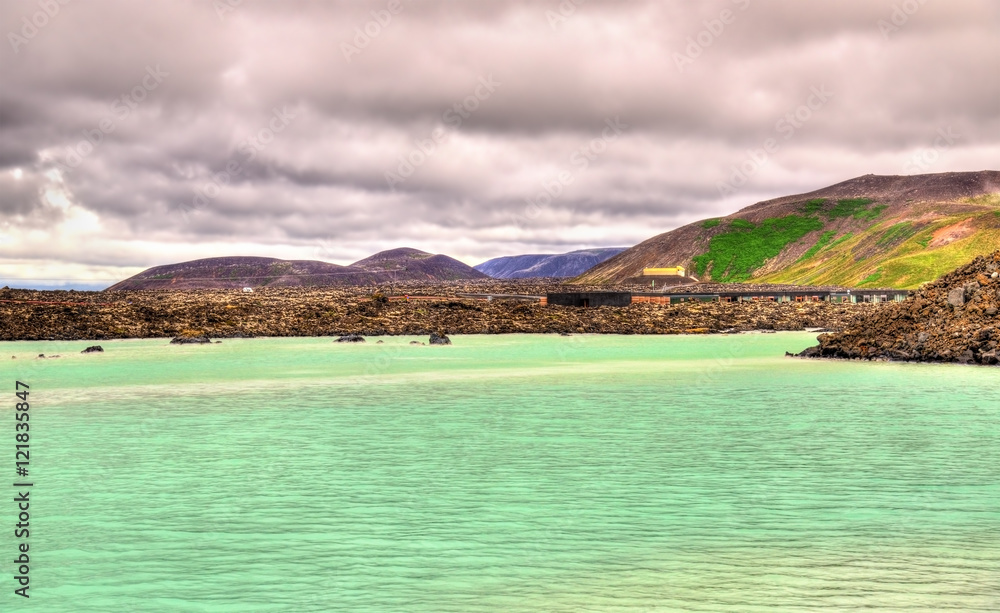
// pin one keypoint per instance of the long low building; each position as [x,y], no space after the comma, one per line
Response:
[589,299]
[797,294]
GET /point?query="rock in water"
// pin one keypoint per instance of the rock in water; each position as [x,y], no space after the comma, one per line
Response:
[350,338]
[190,340]
[93,349]
[953,319]
[439,339]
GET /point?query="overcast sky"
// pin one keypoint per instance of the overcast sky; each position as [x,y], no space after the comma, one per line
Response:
[134,134]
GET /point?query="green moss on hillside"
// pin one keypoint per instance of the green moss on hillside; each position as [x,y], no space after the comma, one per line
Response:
[823,240]
[872,278]
[871,214]
[842,239]
[850,207]
[734,255]
[814,206]
[896,233]
[708,224]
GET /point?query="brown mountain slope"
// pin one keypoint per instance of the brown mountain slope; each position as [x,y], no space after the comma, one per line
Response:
[872,230]
[239,271]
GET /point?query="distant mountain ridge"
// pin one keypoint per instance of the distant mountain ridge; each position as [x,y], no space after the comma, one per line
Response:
[546,264]
[871,231]
[234,272]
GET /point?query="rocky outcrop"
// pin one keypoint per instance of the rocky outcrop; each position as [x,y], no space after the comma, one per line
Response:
[953,319]
[350,338]
[191,340]
[93,349]
[439,339]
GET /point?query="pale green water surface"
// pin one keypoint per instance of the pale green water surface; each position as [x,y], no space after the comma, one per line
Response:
[504,473]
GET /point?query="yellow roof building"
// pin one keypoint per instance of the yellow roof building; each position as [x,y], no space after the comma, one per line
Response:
[676,271]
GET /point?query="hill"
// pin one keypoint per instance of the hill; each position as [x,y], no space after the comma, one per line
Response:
[872,231]
[406,264]
[546,264]
[241,271]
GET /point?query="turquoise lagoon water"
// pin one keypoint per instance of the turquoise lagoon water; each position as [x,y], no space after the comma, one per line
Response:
[504,473]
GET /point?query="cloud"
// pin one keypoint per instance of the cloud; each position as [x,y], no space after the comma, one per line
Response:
[195,166]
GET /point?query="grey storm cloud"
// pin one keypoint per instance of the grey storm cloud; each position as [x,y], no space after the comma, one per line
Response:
[170,130]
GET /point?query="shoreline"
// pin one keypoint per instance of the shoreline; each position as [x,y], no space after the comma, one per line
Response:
[368,339]
[305,312]
[952,320]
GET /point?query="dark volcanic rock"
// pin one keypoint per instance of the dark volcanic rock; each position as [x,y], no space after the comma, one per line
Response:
[93,349]
[439,339]
[350,338]
[953,319]
[190,340]
[459,307]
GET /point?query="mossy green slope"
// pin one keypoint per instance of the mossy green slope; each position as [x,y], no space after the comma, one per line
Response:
[893,230]
[896,253]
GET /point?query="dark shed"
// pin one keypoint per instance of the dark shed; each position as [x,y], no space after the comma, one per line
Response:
[590,299]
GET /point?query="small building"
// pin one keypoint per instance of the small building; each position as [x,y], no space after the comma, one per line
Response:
[791,294]
[589,299]
[676,271]
[678,298]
